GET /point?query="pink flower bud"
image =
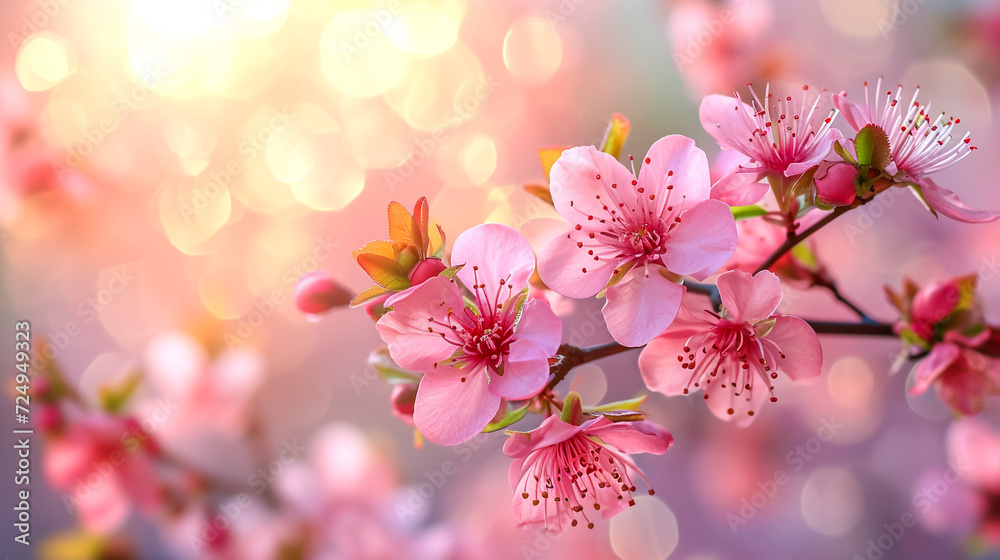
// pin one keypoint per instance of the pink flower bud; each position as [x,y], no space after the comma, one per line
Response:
[835,183]
[48,417]
[425,270]
[317,293]
[936,301]
[402,399]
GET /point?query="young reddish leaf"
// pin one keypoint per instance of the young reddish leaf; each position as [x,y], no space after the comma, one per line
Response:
[403,228]
[385,272]
[381,247]
[421,217]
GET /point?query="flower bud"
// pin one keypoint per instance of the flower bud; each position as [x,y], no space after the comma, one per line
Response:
[835,183]
[317,293]
[425,270]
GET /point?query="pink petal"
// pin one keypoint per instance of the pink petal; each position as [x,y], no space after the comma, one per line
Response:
[562,264]
[449,411]
[703,241]
[722,398]
[632,437]
[857,116]
[722,117]
[819,151]
[551,431]
[659,366]
[689,166]
[404,329]
[800,345]
[574,183]
[539,324]
[740,188]
[946,202]
[930,368]
[493,253]
[525,372]
[641,307]
[749,298]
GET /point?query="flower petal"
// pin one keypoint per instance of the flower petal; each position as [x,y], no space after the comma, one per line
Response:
[723,398]
[632,437]
[946,202]
[525,372]
[551,431]
[539,324]
[493,253]
[575,185]
[800,345]
[930,368]
[675,160]
[749,298]
[740,188]
[816,154]
[658,364]
[449,410]
[570,271]
[723,118]
[703,241]
[405,328]
[641,307]
[857,116]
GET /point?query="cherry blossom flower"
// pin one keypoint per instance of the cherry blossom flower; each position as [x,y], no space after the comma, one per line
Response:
[733,357]
[634,235]
[102,463]
[473,357]
[961,375]
[568,468]
[919,146]
[779,136]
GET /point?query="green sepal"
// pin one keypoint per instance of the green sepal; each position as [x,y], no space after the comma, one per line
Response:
[629,404]
[508,419]
[746,212]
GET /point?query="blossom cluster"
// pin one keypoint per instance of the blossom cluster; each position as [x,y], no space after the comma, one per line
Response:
[473,343]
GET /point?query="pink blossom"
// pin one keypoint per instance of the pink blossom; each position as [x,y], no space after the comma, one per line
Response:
[733,357]
[919,146]
[563,472]
[317,292]
[960,374]
[102,464]
[777,138]
[473,358]
[633,235]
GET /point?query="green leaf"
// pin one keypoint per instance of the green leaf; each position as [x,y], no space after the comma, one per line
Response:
[746,212]
[630,404]
[368,295]
[843,153]
[572,410]
[804,255]
[385,272]
[508,419]
[114,397]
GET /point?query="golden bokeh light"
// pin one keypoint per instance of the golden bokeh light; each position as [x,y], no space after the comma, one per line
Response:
[532,50]
[43,61]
